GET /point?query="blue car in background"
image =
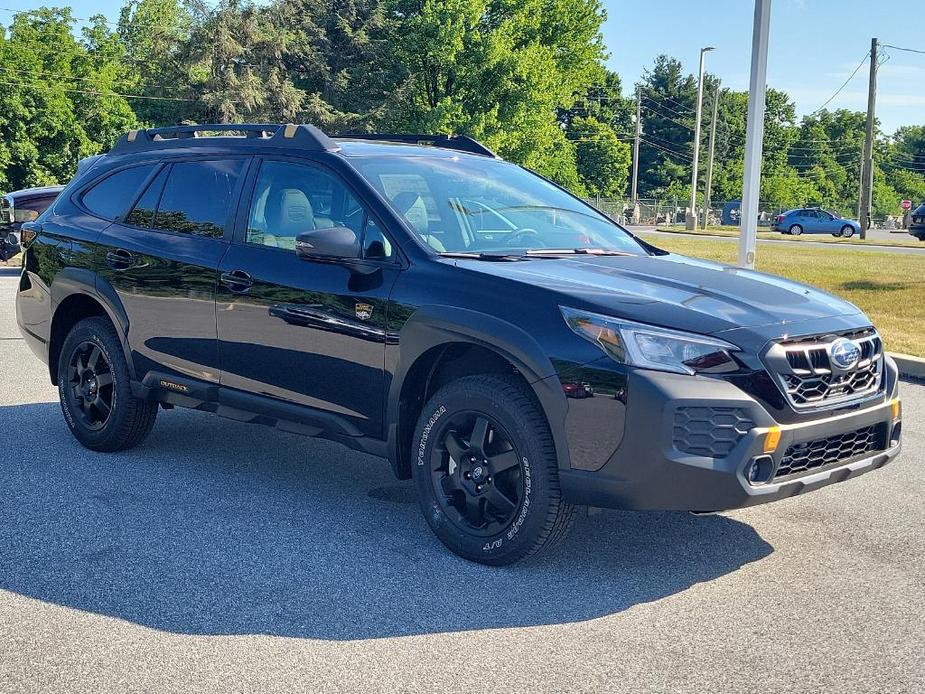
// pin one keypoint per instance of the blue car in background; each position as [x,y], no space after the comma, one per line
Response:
[812,220]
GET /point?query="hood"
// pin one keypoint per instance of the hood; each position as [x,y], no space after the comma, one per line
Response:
[675,291]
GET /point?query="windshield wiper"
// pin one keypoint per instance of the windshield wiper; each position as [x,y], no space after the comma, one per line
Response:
[552,252]
[497,257]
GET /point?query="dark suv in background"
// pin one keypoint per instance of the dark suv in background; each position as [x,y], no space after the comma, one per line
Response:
[509,347]
[917,222]
[18,207]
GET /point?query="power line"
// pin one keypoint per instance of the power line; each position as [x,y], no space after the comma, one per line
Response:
[670,120]
[75,77]
[838,91]
[76,19]
[902,166]
[95,93]
[666,150]
[900,48]
[674,101]
[670,110]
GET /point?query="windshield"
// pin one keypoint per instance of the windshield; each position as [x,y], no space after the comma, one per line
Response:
[478,205]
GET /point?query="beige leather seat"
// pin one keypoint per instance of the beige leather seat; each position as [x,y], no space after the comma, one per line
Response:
[289,213]
[411,206]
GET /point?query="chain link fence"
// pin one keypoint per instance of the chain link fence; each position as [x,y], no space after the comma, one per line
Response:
[656,212]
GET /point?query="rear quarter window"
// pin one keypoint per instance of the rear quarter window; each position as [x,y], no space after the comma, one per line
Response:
[111,197]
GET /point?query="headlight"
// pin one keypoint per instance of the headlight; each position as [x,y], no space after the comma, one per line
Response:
[650,347]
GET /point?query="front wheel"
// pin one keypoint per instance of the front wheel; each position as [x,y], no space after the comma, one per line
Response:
[795,230]
[486,471]
[847,231]
[95,390]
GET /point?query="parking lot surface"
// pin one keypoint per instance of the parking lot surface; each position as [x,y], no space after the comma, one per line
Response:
[222,557]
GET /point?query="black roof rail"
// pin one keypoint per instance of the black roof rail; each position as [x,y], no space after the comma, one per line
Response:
[461,143]
[282,135]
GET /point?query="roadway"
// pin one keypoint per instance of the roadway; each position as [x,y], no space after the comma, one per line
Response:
[220,557]
[650,232]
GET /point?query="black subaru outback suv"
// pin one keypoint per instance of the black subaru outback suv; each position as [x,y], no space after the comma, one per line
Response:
[420,299]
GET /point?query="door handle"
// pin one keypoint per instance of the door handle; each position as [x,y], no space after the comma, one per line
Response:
[237,280]
[120,259]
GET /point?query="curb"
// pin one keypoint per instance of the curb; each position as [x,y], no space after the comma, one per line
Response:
[909,365]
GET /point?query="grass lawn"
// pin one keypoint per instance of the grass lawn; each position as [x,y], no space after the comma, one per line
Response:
[889,287]
[901,240]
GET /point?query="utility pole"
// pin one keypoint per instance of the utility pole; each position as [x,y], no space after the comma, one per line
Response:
[754,134]
[709,182]
[867,161]
[692,216]
[636,151]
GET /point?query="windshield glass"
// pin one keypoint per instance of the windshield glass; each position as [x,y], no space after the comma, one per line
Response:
[478,205]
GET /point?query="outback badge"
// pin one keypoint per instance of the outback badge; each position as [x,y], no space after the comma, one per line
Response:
[364,311]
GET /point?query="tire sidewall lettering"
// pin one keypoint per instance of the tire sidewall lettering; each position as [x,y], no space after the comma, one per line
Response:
[425,434]
[525,506]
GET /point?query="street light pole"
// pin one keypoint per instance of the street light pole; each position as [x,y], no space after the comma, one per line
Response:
[692,217]
[636,153]
[867,162]
[754,135]
[710,148]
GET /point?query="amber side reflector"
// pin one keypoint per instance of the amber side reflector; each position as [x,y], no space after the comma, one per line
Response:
[771,439]
[26,235]
[897,408]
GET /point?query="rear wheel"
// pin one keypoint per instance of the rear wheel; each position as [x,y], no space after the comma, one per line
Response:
[847,231]
[95,391]
[795,230]
[486,471]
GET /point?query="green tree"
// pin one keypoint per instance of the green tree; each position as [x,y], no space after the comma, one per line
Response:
[496,70]
[153,35]
[57,99]
[603,160]
[340,56]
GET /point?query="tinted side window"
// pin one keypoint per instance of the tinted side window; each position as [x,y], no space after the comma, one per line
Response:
[143,213]
[197,197]
[292,199]
[111,197]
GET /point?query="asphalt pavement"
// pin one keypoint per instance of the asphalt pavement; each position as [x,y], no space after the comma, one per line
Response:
[875,236]
[221,557]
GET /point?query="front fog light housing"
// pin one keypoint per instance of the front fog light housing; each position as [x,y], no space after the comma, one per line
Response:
[760,470]
[652,347]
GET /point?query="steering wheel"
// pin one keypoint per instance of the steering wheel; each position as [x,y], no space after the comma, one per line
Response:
[514,239]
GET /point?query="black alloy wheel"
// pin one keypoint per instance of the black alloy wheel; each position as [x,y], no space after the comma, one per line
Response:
[94,385]
[91,387]
[486,470]
[476,473]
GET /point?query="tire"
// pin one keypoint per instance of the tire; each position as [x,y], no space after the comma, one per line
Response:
[847,231]
[516,459]
[795,230]
[93,378]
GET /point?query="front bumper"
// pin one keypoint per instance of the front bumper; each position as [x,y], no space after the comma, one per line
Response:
[649,471]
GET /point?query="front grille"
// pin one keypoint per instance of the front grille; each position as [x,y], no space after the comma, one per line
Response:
[841,448]
[804,370]
[711,432]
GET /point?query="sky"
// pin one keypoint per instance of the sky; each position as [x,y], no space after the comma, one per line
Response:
[815,45]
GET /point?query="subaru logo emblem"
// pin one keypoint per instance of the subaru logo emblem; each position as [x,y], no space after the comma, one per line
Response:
[844,353]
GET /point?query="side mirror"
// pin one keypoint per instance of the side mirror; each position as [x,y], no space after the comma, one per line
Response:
[328,244]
